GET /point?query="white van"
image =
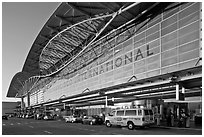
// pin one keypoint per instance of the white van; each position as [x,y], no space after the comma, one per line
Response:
[130,117]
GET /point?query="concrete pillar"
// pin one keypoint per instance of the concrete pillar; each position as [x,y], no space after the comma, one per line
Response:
[28,99]
[177,91]
[22,102]
[106,101]
[183,90]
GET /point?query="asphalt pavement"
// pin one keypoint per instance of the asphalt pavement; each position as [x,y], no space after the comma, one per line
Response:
[19,126]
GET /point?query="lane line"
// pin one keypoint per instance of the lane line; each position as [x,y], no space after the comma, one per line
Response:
[31,126]
[47,132]
[11,124]
[4,124]
[18,123]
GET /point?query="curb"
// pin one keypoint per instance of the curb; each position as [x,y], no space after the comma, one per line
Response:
[164,127]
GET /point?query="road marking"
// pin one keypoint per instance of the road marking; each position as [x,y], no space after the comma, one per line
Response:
[18,123]
[48,132]
[31,126]
[11,124]
[4,124]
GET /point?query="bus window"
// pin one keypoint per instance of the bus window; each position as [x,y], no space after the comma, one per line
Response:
[150,112]
[139,112]
[130,113]
[146,112]
[120,113]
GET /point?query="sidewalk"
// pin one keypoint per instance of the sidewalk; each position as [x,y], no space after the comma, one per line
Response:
[192,126]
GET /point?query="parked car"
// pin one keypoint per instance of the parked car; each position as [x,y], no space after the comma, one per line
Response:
[4,117]
[92,120]
[73,119]
[40,116]
[48,116]
[30,115]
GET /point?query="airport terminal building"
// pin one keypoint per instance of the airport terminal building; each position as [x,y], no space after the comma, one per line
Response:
[93,57]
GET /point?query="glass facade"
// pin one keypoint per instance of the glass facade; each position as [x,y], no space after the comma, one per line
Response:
[169,42]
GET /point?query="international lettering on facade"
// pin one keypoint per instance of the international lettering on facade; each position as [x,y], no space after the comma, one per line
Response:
[112,62]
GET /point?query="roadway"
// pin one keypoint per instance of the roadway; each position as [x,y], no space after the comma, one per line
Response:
[19,126]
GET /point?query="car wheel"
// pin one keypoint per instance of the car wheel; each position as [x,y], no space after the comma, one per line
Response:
[108,124]
[130,125]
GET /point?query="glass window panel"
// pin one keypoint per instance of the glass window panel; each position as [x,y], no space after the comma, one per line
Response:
[169,21]
[153,73]
[170,13]
[139,112]
[169,53]
[191,9]
[139,43]
[139,63]
[169,29]
[152,30]
[141,27]
[118,50]
[191,18]
[169,45]
[118,75]
[190,37]
[190,46]
[140,53]
[153,37]
[120,113]
[153,51]
[141,76]
[186,4]
[130,113]
[139,70]
[169,61]
[128,45]
[154,21]
[169,69]
[139,37]
[188,29]
[153,66]
[154,44]
[189,55]
[128,67]
[188,64]
[169,37]
[152,59]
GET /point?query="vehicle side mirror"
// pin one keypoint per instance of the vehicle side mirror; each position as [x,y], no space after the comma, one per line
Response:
[110,114]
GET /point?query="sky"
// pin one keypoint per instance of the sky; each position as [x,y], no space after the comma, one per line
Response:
[21,23]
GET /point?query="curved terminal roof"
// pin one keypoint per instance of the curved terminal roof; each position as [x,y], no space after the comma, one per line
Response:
[70,29]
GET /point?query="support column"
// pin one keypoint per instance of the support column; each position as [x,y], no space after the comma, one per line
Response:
[28,99]
[106,102]
[22,102]
[177,91]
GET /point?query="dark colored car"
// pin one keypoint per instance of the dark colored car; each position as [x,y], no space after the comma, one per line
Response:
[30,115]
[4,117]
[92,120]
[48,116]
[39,116]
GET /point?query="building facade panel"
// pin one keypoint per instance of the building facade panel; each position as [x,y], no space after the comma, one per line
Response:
[168,43]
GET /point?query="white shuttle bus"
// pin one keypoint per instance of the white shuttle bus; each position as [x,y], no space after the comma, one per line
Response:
[141,117]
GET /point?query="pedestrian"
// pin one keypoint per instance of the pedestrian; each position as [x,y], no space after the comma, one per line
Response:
[172,119]
[169,119]
[182,121]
